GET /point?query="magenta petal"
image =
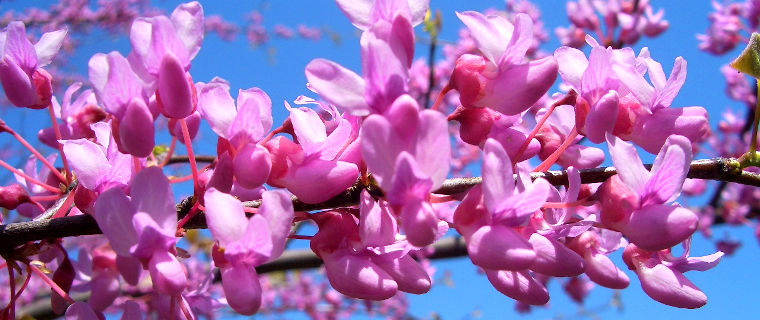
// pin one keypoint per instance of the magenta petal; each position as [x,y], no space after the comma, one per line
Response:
[151,193]
[690,122]
[668,286]
[519,42]
[377,227]
[130,269]
[601,270]
[174,90]
[628,164]
[657,227]
[407,273]
[104,289]
[87,161]
[529,81]
[167,273]
[318,180]
[668,171]
[500,248]
[132,311]
[277,208]
[216,106]
[113,213]
[358,277]
[242,289]
[136,130]
[254,117]
[17,84]
[338,86]
[519,285]
[554,258]
[419,223]
[114,81]
[498,180]
[224,216]
[600,118]
[18,48]
[408,183]
[80,311]
[309,129]
[433,152]
[222,177]
[252,165]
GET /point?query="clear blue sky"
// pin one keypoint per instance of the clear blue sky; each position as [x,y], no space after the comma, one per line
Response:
[730,287]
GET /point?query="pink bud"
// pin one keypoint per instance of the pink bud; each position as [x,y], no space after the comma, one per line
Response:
[12,196]
[499,247]
[242,289]
[175,93]
[475,124]
[136,131]
[252,165]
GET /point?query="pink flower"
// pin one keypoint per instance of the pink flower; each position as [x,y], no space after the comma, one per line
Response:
[637,202]
[25,83]
[242,243]
[480,79]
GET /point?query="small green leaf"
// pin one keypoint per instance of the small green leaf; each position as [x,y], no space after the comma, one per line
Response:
[748,61]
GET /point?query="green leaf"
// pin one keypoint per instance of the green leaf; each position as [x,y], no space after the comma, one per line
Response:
[748,61]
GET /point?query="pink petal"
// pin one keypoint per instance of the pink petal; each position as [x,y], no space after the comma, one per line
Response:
[174,91]
[668,286]
[254,117]
[132,311]
[498,179]
[18,48]
[309,129]
[668,171]
[628,164]
[242,289]
[188,21]
[318,180]
[104,289]
[216,106]
[490,32]
[136,130]
[113,213]
[500,248]
[338,86]
[598,121]
[433,152]
[554,258]
[408,182]
[601,270]
[519,285]
[224,216]
[376,225]
[114,81]
[520,42]
[17,84]
[80,311]
[167,274]
[358,277]
[658,227]
[252,165]
[222,177]
[151,193]
[572,63]
[130,269]
[407,273]
[419,223]
[48,45]
[277,208]
[529,81]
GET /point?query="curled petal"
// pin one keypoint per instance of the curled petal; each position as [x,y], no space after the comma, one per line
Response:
[554,258]
[668,286]
[224,216]
[658,227]
[519,285]
[136,130]
[407,273]
[242,289]
[600,269]
[338,86]
[277,208]
[167,273]
[358,277]
[500,248]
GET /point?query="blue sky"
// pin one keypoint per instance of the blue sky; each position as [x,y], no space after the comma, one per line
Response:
[278,69]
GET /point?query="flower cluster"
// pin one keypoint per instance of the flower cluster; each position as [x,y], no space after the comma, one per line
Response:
[367,135]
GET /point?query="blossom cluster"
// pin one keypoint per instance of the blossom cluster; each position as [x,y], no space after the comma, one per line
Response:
[365,130]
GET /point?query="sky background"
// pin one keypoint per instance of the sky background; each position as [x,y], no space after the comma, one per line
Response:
[277,68]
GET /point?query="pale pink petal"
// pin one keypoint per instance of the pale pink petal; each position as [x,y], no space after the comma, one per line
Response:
[188,21]
[376,225]
[254,117]
[599,120]
[309,129]
[252,165]
[628,164]
[336,141]
[498,179]
[277,208]
[338,86]
[167,274]
[433,152]
[529,82]
[601,270]
[554,258]
[668,171]
[48,45]
[572,63]
[224,216]
[676,80]
[490,32]
[216,106]
[87,161]
[419,223]
[318,180]
[104,289]
[18,48]
[520,42]
[151,193]
[357,11]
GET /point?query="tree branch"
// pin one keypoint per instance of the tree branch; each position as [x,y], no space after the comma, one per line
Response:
[14,234]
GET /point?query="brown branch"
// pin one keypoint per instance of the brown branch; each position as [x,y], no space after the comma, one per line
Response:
[14,234]
[184,159]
